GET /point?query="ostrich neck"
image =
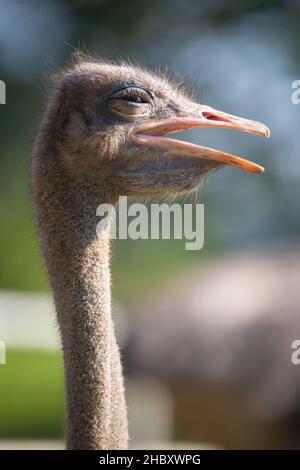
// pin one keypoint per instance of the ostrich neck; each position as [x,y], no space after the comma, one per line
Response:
[78,266]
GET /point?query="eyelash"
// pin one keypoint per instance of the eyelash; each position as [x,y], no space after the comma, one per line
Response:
[135,99]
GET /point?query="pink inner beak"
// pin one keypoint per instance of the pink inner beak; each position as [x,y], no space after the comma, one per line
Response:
[152,134]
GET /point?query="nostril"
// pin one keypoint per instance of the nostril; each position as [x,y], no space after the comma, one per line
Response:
[214,117]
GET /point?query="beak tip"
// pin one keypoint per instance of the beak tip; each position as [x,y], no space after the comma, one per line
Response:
[266,132]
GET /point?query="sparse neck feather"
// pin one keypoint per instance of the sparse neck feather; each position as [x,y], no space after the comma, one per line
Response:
[79,272]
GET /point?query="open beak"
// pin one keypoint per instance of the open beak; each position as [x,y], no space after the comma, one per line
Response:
[153,134]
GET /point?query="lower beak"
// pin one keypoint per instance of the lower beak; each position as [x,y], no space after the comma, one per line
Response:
[153,134]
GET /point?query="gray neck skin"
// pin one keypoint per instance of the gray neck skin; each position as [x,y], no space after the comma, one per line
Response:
[78,267]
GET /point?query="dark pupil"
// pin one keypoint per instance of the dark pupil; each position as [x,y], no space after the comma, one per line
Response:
[134,99]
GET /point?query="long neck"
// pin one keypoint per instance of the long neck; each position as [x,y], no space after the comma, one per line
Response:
[78,266]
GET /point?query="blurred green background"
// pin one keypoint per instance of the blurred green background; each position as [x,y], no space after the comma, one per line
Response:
[240,56]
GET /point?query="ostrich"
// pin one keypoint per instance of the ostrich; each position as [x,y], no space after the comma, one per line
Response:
[103,136]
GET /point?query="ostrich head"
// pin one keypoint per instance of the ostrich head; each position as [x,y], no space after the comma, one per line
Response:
[111,120]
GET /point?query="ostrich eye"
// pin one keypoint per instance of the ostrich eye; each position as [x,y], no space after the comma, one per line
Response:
[130,102]
[135,99]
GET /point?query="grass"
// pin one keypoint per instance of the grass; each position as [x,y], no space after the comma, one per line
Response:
[31,398]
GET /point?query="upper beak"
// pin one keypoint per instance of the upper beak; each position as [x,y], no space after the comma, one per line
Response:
[152,134]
